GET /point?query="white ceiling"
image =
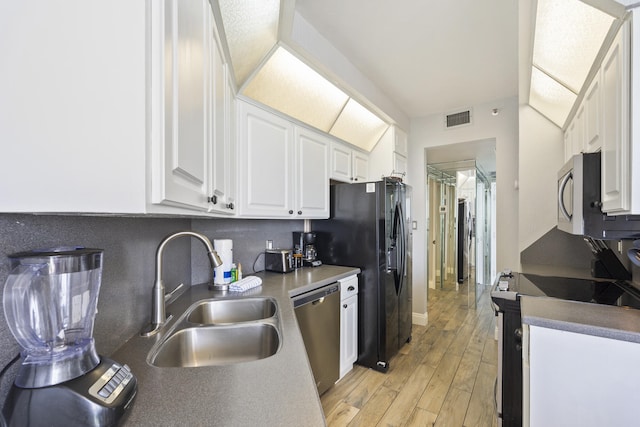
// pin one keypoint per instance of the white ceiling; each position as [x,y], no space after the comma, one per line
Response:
[428,56]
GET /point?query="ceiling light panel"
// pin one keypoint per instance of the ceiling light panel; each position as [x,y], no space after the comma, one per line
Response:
[568,36]
[251,29]
[289,85]
[359,126]
[550,98]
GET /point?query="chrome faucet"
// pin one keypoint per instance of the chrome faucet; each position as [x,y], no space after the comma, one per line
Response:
[158,314]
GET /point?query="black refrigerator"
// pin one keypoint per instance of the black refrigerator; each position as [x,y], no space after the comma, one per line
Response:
[370,228]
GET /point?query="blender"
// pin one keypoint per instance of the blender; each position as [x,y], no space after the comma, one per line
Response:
[50,302]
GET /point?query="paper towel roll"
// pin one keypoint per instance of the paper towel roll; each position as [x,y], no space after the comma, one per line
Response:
[224,248]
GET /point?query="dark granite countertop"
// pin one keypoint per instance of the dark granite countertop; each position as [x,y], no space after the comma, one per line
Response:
[275,391]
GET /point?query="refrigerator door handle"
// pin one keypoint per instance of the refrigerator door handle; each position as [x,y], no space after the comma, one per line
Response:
[403,248]
[398,239]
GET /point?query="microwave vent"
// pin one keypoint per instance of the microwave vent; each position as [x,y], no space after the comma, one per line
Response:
[458,119]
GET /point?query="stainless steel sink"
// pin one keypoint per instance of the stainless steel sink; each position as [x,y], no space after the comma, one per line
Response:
[220,331]
[224,311]
[216,345]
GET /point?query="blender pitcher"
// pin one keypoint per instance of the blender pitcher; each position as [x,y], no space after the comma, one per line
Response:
[50,302]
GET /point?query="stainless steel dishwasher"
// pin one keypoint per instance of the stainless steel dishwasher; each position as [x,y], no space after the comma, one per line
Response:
[318,314]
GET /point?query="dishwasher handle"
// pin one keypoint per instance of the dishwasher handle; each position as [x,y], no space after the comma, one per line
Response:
[316,296]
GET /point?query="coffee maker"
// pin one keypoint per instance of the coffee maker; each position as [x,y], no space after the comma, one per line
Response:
[305,243]
[50,302]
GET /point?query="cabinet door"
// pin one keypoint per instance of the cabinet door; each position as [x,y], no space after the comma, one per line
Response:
[615,126]
[312,175]
[360,167]
[184,158]
[348,334]
[222,161]
[401,143]
[265,148]
[593,117]
[578,131]
[568,143]
[399,164]
[341,166]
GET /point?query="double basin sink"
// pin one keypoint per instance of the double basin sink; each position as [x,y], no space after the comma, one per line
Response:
[220,331]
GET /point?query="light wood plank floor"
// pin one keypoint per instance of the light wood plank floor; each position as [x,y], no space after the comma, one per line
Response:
[444,377]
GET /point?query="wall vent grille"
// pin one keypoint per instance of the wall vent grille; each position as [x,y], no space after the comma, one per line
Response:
[458,119]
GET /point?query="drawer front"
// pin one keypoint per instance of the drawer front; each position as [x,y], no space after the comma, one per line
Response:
[348,287]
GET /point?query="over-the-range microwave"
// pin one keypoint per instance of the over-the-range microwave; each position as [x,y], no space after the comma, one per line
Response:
[579,202]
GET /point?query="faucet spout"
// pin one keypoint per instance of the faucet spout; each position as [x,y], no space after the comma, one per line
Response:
[158,313]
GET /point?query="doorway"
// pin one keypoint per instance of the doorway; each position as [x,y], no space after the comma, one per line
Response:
[461,207]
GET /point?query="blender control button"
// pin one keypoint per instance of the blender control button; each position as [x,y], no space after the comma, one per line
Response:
[104,393]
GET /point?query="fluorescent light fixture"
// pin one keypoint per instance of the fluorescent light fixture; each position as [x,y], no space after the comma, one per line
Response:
[550,97]
[569,34]
[359,126]
[287,84]
[251,29]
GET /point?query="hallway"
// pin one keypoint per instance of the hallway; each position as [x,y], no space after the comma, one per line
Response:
[444,377]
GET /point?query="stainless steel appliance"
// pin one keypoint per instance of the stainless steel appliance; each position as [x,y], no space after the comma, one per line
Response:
[505,294]
[579,202]
[318,315]
[50,301]
[370,228]
[305,244]
[279,260]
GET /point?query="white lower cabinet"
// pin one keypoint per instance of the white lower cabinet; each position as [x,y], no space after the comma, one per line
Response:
[348,324]
[573,379]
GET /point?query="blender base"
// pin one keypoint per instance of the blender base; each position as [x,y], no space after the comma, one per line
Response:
[100,397]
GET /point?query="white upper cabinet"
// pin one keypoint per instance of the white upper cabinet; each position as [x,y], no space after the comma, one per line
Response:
[73,107]
[183,69]
[602,123]
[616,173]
[283,171]
[265,166]
[593,117]
[348,164]
[222,190]
[312,183]
[389,156]
[128,121]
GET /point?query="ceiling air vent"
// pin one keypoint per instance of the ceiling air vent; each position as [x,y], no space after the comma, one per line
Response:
[458,119]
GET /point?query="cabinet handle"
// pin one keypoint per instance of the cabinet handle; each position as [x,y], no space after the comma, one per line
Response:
[355,179]
[351,288]
[344,305]
[299,212]
[213,199]
[290,212]
[230,206]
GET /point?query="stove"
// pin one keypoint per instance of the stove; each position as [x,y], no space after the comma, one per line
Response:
[505,294]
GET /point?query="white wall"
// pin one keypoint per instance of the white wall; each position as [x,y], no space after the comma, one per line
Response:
[430,132]
[541,156]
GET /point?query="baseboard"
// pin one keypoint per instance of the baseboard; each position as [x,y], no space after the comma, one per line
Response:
[420,319]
